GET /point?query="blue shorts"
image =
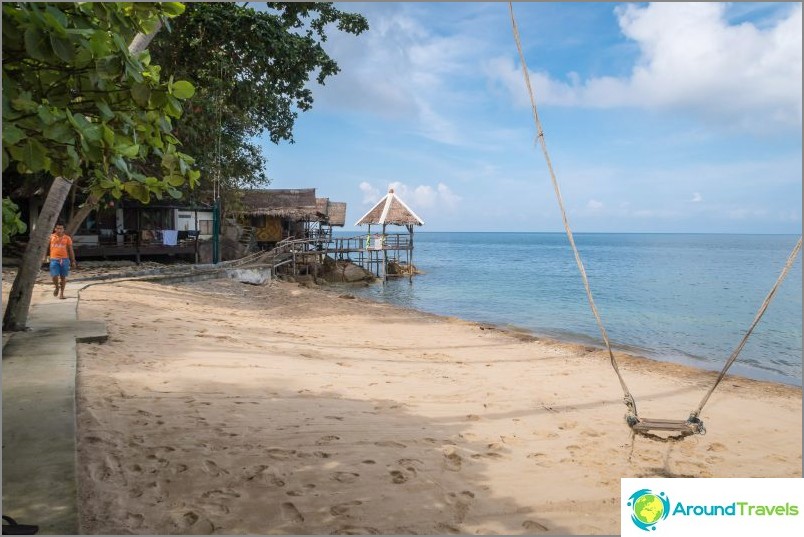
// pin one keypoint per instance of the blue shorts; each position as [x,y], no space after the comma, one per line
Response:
[60,267]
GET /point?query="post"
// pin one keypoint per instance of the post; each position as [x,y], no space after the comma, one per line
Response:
[216,228]
[410,254]
[137,237]
[384,256]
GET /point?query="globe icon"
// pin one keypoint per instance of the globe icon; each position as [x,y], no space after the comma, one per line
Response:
[648,509]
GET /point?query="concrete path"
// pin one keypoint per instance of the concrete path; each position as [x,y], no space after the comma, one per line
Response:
[39,451]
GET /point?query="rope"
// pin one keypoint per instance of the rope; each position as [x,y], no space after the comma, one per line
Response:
[627,397]
[760,313]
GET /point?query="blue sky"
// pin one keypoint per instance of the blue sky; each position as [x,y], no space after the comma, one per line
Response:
[658,117]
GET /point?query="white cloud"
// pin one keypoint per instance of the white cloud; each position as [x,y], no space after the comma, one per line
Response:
[418,197]
[370,194]
[696,197]
[401,69]
[691,60]
[594,204]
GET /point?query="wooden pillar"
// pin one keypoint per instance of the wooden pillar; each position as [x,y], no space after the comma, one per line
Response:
[410,254]
[384,256]
[137,237]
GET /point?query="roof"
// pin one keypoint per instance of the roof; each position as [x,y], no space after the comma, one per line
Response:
[299,204]
[391,210]
[333,212]
[337,213]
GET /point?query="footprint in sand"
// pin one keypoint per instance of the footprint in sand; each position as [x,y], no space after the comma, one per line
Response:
[213,469]
[343,508]
[134,520]
[389,443]
[398,477]
[717,447]
[461,502]
[369,461]
[262,474]
[532,525]
[487,455]
[452,461]
[280,454]
[218,494]
[291,513]
[324,440]
[345,477]
[356,530]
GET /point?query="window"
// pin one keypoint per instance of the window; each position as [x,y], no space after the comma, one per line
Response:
[205,227]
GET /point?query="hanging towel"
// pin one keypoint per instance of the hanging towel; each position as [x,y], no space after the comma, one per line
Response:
[170,237]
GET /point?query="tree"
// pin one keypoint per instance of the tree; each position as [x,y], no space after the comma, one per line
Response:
[12,224]
[252,70]
[78,103]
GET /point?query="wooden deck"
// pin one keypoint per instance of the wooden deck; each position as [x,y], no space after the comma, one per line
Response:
[136,251]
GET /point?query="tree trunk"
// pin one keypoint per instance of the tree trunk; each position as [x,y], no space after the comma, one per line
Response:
[81,215]
[19,299]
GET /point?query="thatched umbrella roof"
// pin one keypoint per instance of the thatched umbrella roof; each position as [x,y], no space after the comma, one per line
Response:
[295,204]
[391,210]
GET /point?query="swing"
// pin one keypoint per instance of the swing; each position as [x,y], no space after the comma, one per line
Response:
[643,426]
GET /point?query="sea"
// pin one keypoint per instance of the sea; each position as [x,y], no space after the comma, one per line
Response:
[682,298]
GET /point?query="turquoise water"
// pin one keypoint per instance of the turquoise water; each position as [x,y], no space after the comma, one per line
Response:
[684,298]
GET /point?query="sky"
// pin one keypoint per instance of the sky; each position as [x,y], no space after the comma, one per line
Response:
[659,118]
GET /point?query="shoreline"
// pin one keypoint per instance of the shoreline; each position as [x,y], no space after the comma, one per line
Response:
[587,343]
[679,358]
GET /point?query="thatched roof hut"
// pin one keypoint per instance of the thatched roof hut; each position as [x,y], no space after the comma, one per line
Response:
[391,210]
[293,204]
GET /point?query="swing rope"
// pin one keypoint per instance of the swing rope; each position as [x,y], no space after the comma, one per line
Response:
[627,397]
[693,424]
[787,266]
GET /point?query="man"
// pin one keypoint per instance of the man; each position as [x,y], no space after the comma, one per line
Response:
[61,256]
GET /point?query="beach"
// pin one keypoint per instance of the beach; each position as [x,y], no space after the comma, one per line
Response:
[220,407]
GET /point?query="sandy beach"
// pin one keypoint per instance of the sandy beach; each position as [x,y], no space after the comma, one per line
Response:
[219,407]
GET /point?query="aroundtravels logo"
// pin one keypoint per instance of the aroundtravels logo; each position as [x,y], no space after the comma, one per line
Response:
[648,508]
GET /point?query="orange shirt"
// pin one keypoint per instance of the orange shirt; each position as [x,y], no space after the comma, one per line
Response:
[58,246]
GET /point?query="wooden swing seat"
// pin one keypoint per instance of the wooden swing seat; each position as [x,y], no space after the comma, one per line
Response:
[682,427]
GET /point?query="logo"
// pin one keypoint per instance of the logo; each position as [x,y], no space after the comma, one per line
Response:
[648,508]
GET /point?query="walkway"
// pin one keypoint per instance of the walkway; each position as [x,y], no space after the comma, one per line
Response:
[39,451]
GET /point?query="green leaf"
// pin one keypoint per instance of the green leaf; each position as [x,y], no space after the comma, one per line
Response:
[172,9]
[129,151]
[59,132]
[99,44]
[174,180]
[108,135]
[105,109]
[23,103]
[141,93]
[183,89]
[175,194]
[46,115]
[31,154]
[108,66]
[63,48]
[12,134]
[36,44]
[93,133]
[138,191]
[173,107]
[193,176]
